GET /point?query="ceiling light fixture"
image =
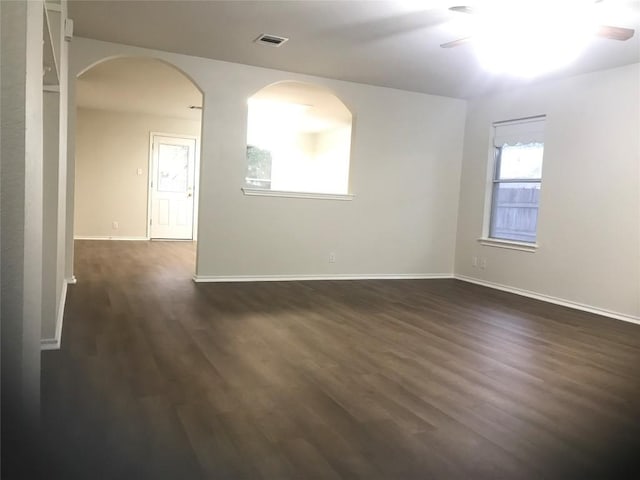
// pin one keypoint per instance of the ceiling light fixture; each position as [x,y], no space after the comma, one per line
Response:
[527,38]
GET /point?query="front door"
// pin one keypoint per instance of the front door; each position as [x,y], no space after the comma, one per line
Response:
[171,187]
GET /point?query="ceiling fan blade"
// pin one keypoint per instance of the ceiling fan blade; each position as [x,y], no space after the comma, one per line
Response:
[615,33]
[456,43]
[462,9]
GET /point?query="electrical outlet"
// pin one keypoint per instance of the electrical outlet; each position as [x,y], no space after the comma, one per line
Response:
[474,262]
[115,225]
[332,257]
[483,263]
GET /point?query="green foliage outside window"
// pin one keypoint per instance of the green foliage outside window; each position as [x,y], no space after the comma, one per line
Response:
[258,167]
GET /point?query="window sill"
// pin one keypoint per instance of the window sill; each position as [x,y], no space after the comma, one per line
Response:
[263,192]
[509,244]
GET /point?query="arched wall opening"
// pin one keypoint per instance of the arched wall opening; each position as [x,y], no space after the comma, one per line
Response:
[298,139]
[137,137]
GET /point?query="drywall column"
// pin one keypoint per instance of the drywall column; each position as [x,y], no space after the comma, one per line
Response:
[20,222]
[51,150]
[55,194]
[70,177]
[62,173]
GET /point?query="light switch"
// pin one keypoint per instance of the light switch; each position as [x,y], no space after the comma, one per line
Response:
[139,171]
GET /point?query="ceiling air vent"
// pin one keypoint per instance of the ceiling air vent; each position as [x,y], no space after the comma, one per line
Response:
[271,40]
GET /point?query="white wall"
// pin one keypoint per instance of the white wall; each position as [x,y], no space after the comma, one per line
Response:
[292,155]
[62,279]
[589,219]
[51,152]
[55,190]
[405,169]
[21,219]
[312,161]
[331,155]
[110,148]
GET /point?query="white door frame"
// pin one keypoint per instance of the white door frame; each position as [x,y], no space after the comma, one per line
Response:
[196,179]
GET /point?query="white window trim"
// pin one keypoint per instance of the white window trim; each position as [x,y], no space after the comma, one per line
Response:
[508,244]
[485,239]
[263,192]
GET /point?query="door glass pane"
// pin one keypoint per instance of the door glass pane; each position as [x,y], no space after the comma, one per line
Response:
[521,161]
[173,168]
[515,211]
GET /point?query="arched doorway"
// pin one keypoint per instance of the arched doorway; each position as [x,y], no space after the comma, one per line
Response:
[138,125]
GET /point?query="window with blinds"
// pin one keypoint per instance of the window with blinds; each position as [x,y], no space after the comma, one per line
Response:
[517,177]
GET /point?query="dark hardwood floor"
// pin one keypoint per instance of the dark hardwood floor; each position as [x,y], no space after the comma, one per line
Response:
[162,378]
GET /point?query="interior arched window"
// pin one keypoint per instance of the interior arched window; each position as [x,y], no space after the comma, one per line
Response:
[298,140]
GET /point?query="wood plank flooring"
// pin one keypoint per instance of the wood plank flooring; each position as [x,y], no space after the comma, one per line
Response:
[162,378]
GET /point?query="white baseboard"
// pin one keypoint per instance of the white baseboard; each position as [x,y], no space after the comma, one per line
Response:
[295,278]
[55,342]
[187,240]
[86,237]
[49,344]
[551,299]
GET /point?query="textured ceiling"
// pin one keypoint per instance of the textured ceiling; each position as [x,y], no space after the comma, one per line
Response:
[386,43]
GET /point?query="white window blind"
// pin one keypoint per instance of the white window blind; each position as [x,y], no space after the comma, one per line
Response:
[529,130]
